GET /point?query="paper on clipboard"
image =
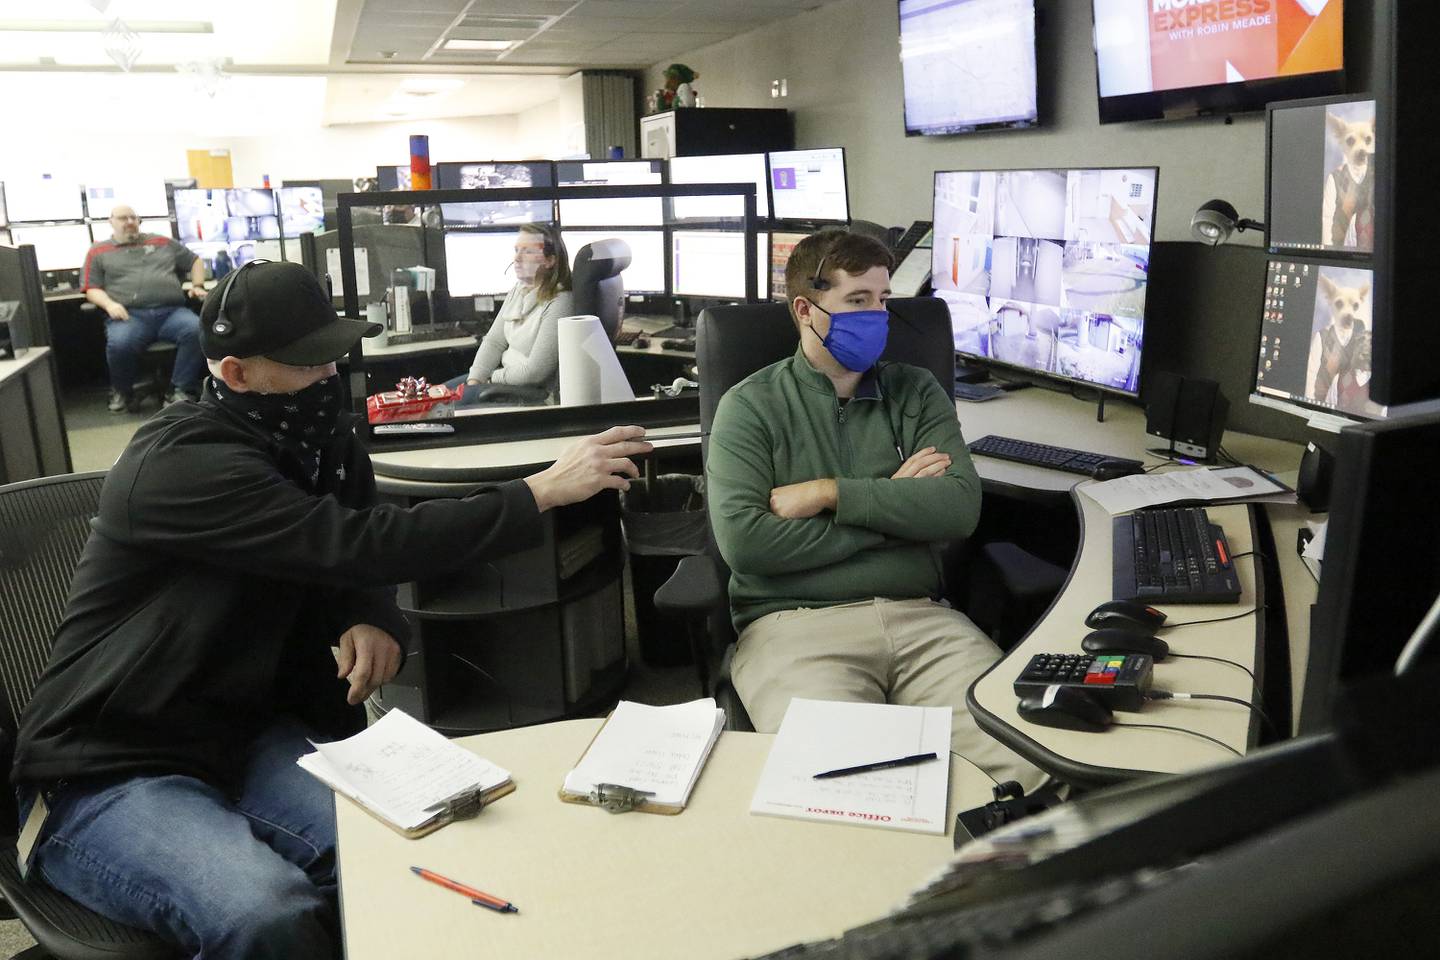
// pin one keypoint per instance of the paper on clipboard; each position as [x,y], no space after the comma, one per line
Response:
[657,750]
[1202,484]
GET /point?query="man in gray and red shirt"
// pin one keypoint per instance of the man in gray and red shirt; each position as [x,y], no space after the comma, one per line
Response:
[135,278]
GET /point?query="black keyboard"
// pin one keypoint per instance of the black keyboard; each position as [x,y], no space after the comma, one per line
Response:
[976,391]
[1043,454]
[1172,555]
[626,336]
[679,333]
[427,333]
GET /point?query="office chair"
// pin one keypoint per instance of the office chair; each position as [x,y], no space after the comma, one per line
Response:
[886,235]
[157,362]
[731,343]
[43,527]
[597,288]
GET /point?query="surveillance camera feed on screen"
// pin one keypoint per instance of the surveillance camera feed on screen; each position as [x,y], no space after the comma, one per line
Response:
[494,176]
[1046,269]
[1226,54]
[1322,177]
[228,228]
[1315,338]
[302,210]
[967,64]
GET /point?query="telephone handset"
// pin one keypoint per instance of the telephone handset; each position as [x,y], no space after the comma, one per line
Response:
[912,256]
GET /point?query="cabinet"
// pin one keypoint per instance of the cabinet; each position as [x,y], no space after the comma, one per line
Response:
[700,131]
[535,636]
[33,442]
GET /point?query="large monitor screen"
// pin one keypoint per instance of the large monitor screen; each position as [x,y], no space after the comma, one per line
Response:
[1046,270]
[1314,349]
[493,175]
[725,168]
[251,215]
[809,185]
[1321,191]
[617,211]
[646,273]
[146,198]
[28,201]
[480,264]
[967,64]
[58,247]
[302,210]
[226,215]
[1178,58]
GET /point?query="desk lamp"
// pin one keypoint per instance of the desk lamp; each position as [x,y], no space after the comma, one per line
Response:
[1216,220]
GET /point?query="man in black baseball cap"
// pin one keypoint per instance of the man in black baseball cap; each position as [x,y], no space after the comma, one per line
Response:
[238,541]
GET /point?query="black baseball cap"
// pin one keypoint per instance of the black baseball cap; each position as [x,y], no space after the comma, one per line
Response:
[277,310]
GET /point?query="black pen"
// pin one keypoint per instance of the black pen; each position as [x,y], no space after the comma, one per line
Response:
[877,765]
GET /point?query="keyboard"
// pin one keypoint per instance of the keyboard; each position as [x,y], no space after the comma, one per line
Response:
[626,336]
[1172,555]
[678,333]
[427,333]
[1043,454]
[976,391]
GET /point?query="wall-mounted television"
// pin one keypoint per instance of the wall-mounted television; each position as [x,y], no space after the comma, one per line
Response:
[1171,59]
[967,65]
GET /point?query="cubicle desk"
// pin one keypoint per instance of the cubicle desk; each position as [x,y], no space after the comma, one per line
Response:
[711,882]
[33,441]
[1048,417]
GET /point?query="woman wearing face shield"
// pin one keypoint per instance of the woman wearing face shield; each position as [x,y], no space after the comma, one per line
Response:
[521,347]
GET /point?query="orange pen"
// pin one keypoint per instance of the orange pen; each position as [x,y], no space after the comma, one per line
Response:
[477,897]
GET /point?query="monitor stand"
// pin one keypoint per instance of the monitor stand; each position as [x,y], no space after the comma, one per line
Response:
[966,373]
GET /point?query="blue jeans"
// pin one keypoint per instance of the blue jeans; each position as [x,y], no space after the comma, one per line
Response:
[125,340]
[251,875]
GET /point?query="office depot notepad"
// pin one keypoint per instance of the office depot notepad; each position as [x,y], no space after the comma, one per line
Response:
[660,750]
[404,773]
[820,735]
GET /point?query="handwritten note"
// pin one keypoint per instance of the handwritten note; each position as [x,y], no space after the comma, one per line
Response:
[660,750]
[401,769]
[819,735]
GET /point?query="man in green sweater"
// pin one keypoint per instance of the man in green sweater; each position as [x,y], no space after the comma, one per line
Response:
[832,479]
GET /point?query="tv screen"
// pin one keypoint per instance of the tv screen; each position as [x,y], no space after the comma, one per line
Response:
[967,65]
[1163,59]
[1046,270]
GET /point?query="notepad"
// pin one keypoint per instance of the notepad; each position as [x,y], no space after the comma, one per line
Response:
[658,750]
[404,773]
[820,735]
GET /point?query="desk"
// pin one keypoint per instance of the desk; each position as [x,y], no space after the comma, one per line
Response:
[33,442]
[711,882]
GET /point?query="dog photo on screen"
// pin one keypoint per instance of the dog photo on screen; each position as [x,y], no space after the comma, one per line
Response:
[1347,214]
[1339,367]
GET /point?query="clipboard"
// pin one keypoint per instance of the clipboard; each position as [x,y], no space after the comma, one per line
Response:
[624,798]
[462,806]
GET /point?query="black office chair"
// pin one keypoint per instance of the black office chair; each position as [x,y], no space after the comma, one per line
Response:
[597,287]
[730,344]
[43,527]
[157,363]
[886,235]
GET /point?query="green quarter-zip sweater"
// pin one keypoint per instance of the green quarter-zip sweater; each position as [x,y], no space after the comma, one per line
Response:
[784,424]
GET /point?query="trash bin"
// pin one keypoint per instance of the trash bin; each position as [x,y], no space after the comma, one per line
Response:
[663,520]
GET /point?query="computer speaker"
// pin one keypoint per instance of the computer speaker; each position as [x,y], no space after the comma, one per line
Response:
[1187,412]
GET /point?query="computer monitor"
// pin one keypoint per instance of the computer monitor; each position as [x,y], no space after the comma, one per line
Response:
[251,215]
[1184,58]
[646,273]
[809,185]
[390,178]
[1314,355]
[157,226]
[575,173]
[302,210]
[493,174]
[707,263]
[200,215]
[724,168]
[57,247]
[780,246]
[479,264]
[1320,194]
[967,66]
[1046,270]
[1381,566]
[616,211]
[38,201]
[146,197]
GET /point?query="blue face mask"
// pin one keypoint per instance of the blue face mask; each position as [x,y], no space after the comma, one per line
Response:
[857,337]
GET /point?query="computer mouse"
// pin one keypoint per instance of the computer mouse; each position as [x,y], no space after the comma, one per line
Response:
[1067,708]
[641,343]
[1129,615]
[1116,640]
[1114,469]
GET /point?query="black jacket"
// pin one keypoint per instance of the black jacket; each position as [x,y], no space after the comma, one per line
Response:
[212,587]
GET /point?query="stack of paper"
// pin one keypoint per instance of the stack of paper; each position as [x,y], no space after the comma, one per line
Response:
[1201,485]
[403,772]
[821,735]
[659,750]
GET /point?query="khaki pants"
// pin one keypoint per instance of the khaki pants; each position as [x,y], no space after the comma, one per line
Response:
[911,652]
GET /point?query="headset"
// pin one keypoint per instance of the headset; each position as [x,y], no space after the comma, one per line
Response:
[221,325]
[818,282]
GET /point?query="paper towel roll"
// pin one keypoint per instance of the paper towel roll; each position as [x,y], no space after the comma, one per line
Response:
[589,370]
